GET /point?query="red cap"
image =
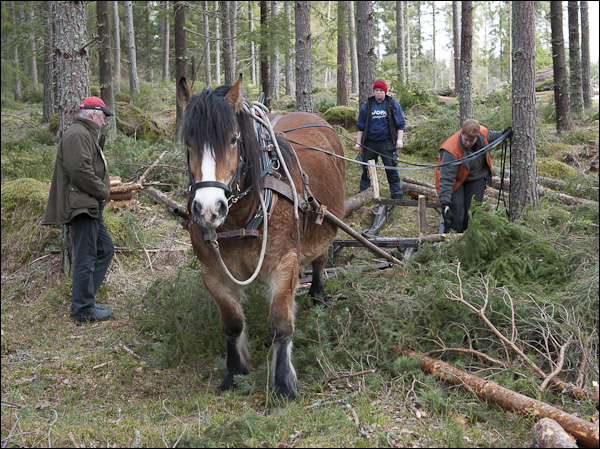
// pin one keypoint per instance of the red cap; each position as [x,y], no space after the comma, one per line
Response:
[95,103]
[380,85]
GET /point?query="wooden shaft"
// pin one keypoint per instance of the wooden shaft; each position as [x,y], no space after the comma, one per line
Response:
[343,226]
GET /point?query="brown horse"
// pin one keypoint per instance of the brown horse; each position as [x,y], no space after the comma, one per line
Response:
[237,180]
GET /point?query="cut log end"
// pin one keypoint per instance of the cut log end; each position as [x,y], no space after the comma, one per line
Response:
[548,433]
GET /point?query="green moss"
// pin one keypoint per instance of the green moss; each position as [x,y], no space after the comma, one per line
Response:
[23,236]
[132,122]
[342,115]
[554,169]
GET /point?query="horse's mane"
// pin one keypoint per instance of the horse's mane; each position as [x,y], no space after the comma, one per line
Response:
[210,119]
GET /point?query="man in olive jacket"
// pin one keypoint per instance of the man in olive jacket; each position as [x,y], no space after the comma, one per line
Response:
[79,190]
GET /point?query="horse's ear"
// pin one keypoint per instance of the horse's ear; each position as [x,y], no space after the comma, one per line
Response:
[184,93]
[234,97]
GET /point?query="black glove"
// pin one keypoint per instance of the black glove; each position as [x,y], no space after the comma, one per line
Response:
[507,129]
[446,214]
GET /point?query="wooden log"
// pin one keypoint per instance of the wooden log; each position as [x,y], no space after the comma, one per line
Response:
[584,432]
[172,205]
[373,177]
[123,196]
[543,191]
[548,433]
[125,188]
[357,201]
[115,181]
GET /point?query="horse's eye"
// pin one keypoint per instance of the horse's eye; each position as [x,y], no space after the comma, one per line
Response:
[233,139]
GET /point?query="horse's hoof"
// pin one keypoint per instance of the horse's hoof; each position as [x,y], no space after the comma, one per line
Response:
[285,394]
[227,383]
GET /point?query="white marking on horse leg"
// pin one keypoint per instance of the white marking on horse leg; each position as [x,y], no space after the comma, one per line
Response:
[284,377]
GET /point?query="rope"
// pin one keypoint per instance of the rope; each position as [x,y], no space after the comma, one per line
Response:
[474,155]
[261,259]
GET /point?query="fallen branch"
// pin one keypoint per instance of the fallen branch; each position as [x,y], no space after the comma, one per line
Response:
[560,385]
[584,432]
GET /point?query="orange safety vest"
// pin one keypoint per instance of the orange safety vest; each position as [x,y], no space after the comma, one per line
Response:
[453,147]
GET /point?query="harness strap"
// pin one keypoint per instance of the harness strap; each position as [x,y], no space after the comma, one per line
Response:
[237,234]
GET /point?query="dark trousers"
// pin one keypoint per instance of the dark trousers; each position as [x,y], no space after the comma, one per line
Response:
[94,250]
[461,202]
[387,148]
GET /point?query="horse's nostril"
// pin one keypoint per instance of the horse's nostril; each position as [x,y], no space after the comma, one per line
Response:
[196,209]
[222,208]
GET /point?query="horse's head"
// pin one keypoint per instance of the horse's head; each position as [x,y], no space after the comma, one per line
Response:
[211,131]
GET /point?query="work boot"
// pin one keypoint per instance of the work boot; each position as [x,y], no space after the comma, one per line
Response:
[94,314]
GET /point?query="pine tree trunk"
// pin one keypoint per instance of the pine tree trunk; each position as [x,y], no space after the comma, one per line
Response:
[304,99]
[289,72]
[228,63]
[73,81]
[117,47]
[366,50]
[274,66]
[585,55]
[343,89]
[400,64]
[218,40]
[134,83]
[105,68]
[164,39]
[576,90]
[466,62]
[561,87]
[49,62]
[433,44]
[205,21]
[253,76]
[353,53]
[15,57]
[33,50]
[456,45]
[263,53]
[180,54]
[524,189]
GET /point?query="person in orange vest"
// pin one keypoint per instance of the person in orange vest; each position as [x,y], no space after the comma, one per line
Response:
[458,184]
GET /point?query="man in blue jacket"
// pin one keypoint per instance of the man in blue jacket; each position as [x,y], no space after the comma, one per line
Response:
[380,130]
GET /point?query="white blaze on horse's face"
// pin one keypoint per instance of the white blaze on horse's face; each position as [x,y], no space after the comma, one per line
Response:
[210,203]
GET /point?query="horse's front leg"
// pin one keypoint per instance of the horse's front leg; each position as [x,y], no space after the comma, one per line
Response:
[281,326]
[229,299]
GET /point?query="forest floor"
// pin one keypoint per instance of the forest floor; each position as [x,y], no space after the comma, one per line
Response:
[149,377]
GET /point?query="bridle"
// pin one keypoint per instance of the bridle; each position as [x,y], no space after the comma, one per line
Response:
[234,184]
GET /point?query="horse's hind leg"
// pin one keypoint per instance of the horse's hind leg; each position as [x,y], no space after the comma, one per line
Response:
[229,300]
[317,287]
[281,327]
